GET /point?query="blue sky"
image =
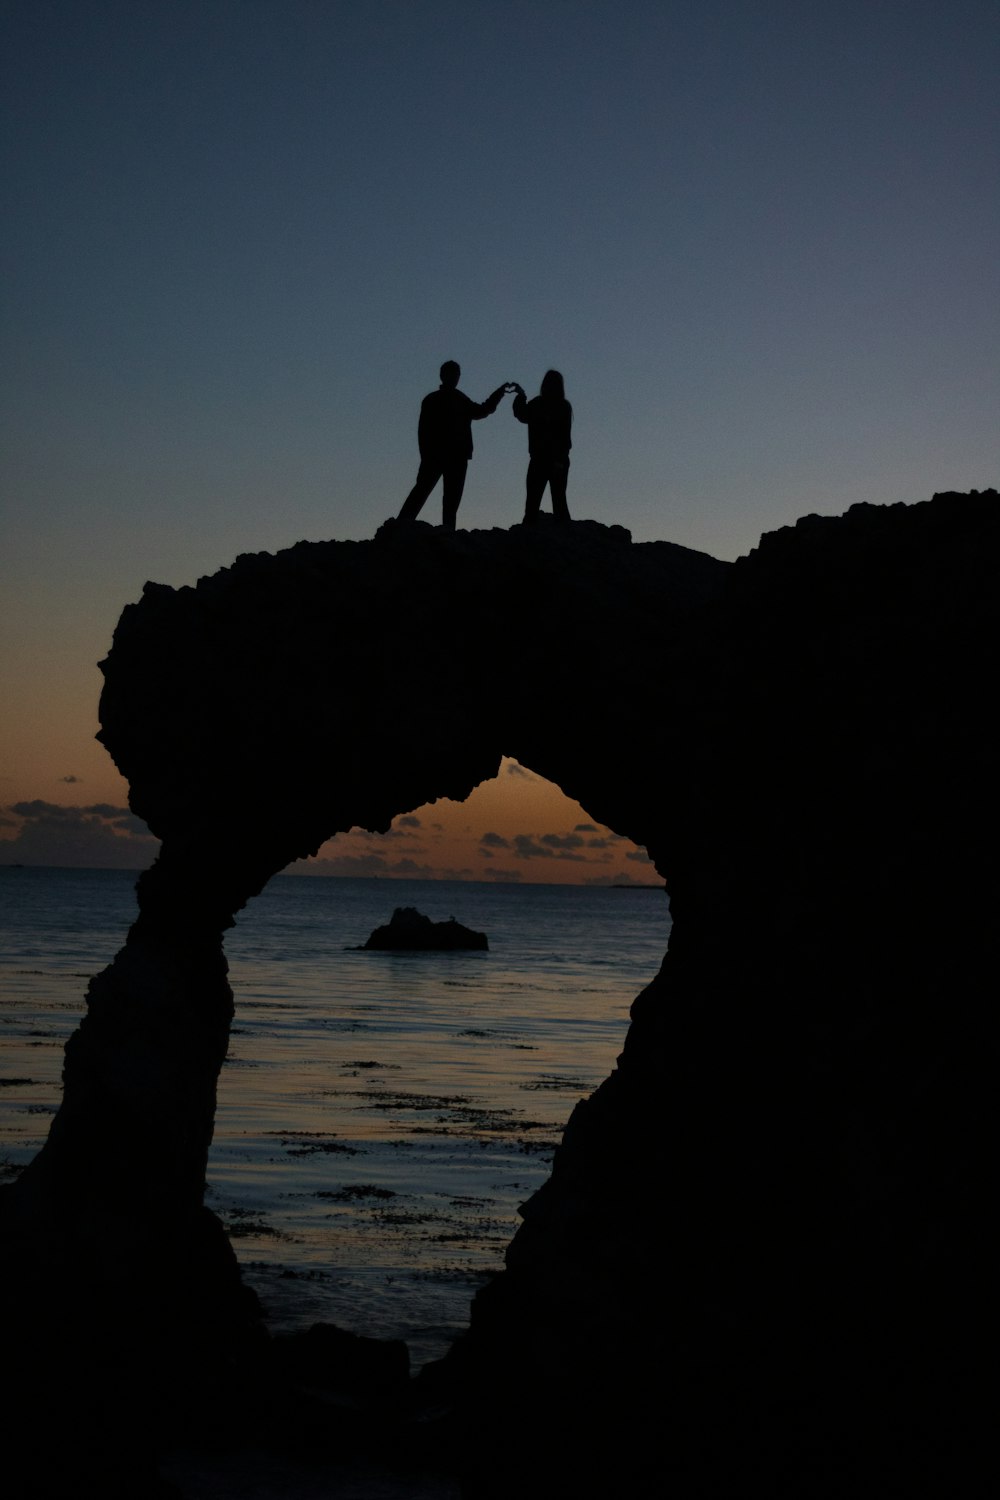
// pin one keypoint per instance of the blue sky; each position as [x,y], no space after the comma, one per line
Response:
[759,238]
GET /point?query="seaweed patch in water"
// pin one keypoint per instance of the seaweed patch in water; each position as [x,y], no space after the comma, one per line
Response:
[502,1038]
[556,1083]
[453,1273]
[354,1192]
[328,1148]
[480,1232]
[315,1140]
[243,1225]
[403,1218]
[402,1100]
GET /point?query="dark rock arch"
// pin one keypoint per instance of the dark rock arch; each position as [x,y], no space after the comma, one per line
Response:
[289,698]
[800,740]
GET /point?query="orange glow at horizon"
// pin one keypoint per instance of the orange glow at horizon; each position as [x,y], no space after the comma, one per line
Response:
[516,827]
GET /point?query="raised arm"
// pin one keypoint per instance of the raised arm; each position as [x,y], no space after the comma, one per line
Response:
[488,407]
[519,405]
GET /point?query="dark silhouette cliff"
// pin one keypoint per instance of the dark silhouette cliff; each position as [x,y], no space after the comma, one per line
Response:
[774,1294]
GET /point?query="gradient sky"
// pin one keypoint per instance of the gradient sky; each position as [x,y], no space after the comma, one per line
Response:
[759,237]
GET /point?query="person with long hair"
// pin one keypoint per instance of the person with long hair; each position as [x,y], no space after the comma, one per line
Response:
[549,419]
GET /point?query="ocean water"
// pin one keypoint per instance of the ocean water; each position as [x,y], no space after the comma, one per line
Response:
[381,1116]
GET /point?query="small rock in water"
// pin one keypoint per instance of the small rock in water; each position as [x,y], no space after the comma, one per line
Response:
[411,931]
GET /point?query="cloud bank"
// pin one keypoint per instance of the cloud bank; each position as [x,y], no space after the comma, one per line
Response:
[99,837]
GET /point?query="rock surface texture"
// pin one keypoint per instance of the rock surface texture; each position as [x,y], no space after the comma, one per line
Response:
[774,1295]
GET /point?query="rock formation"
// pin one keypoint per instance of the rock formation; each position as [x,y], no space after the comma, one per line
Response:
[773,1295]
[409,931]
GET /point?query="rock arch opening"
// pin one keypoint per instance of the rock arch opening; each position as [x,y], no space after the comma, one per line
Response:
[515,827]
[382,1117]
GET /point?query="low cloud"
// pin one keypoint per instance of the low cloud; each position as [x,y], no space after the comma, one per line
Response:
[563,840]
[364,854]
[367,836]
[360,865]
[130,824]
[71,780]
[366,865]
[100,836]
[409,821]
[526,846]
[410,868]
[513,769]
[493,841]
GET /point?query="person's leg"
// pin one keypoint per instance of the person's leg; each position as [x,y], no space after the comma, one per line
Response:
[558,475]
[454,484]
[534,485]
[427,477]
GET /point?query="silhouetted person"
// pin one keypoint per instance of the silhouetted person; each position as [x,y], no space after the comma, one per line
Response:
[550,420]
[445,438]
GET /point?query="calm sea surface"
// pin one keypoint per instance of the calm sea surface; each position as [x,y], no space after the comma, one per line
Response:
[381,1117]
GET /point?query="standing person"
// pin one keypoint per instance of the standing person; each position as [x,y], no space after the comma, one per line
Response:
[550,420]
[444,436]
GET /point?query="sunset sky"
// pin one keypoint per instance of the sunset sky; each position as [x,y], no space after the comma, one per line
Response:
[759,238]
